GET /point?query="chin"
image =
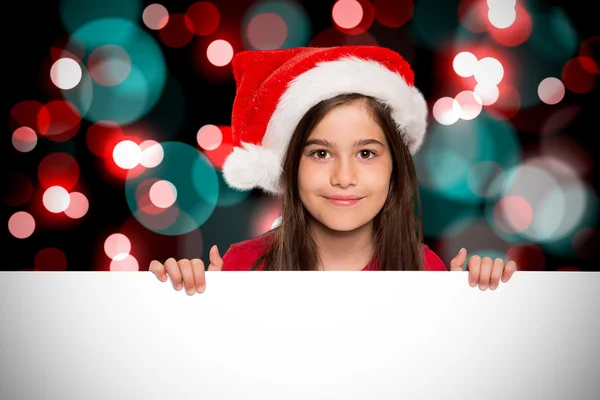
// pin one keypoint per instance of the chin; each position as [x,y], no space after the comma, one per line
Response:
[342,225]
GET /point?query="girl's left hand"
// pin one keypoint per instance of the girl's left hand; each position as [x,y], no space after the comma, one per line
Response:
[484,271]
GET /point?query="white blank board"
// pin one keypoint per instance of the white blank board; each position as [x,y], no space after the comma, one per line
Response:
[299,335]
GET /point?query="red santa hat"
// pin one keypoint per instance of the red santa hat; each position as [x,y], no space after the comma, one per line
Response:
[275,88]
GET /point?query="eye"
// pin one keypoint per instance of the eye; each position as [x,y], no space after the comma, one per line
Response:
[321,154]
[367,153]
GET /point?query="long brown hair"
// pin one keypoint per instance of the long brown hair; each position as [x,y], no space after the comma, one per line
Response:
[291,245]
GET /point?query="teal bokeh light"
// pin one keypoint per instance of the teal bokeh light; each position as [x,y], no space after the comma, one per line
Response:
[229,196]
[294,15]
[134,96]
[196,183]
[449,162]
[76,13]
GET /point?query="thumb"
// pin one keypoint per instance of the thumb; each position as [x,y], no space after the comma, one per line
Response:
[458,261]
[216,262]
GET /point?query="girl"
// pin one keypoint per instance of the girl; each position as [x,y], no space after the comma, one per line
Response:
[331,130]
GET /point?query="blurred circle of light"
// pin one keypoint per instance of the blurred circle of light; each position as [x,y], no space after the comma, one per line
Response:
[65,73]
[444,166]
[515,211]
[551,90]
[50,259]
[209,137]
[393,13]
[296,20]
[27,113]
[486,179]
[267,31]
[528,256]
[56,199]
[139,92]
[190,171]
[558,197]
[576,78]
[586,52]
[21,225]
[163,194]
[59,121]
[76,13]
[178,32]
[517,33]
[58,169]
[127,154]
[128,263]
[24,139]
[205,17]
[219,52]
[470,104]
[117,246]
[155,16]
[489,71]
[499,4]
[347,13]
[465,64]
[502,17]
[78,205]
[553,38]
[446,110]
[488,94]
[109,65]
[152,153]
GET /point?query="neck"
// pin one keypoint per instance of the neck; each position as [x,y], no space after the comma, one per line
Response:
[344,251]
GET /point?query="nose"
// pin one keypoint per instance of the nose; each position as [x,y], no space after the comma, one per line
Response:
[344,173]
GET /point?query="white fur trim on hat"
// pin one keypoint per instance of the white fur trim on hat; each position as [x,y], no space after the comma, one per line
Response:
[251,166]
[257,166]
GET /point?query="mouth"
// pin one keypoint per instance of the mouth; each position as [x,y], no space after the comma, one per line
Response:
[343,202]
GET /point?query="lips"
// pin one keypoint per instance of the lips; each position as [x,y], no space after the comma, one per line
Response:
[343,201]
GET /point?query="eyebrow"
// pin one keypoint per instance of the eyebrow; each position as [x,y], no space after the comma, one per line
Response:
[327,143]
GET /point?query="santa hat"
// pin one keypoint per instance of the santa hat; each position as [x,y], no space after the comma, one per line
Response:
[275,88]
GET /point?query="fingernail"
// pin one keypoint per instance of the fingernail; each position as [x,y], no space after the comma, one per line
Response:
[201,289]
[178,286]
[462,250]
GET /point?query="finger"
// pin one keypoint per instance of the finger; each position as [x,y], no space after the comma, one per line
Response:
[474,266]
[509,270]
[199,276]
[185,266]
[216,262]
[159,270]
[497,268]
[459,260]
[485,272]
[173,271]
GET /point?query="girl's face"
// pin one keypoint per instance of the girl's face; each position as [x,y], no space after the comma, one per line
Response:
[346,154]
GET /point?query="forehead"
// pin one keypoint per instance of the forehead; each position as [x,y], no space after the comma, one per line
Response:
[347,123]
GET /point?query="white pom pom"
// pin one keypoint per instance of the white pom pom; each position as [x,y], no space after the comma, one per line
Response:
[252,166]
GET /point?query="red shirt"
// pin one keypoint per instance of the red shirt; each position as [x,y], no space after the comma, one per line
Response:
[241,256]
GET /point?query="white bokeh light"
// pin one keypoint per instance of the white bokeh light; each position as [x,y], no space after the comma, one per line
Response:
[65,73]
[163,194]
[127,154]
[489,71]
[152,153]
[464,64]
[56,199]
[446,110]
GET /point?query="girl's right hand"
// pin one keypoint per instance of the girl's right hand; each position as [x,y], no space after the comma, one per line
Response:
[188,273]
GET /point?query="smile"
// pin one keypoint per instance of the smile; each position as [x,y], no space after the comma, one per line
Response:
[342,203]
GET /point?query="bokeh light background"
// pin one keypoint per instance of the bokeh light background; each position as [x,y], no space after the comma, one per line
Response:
[119,122]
